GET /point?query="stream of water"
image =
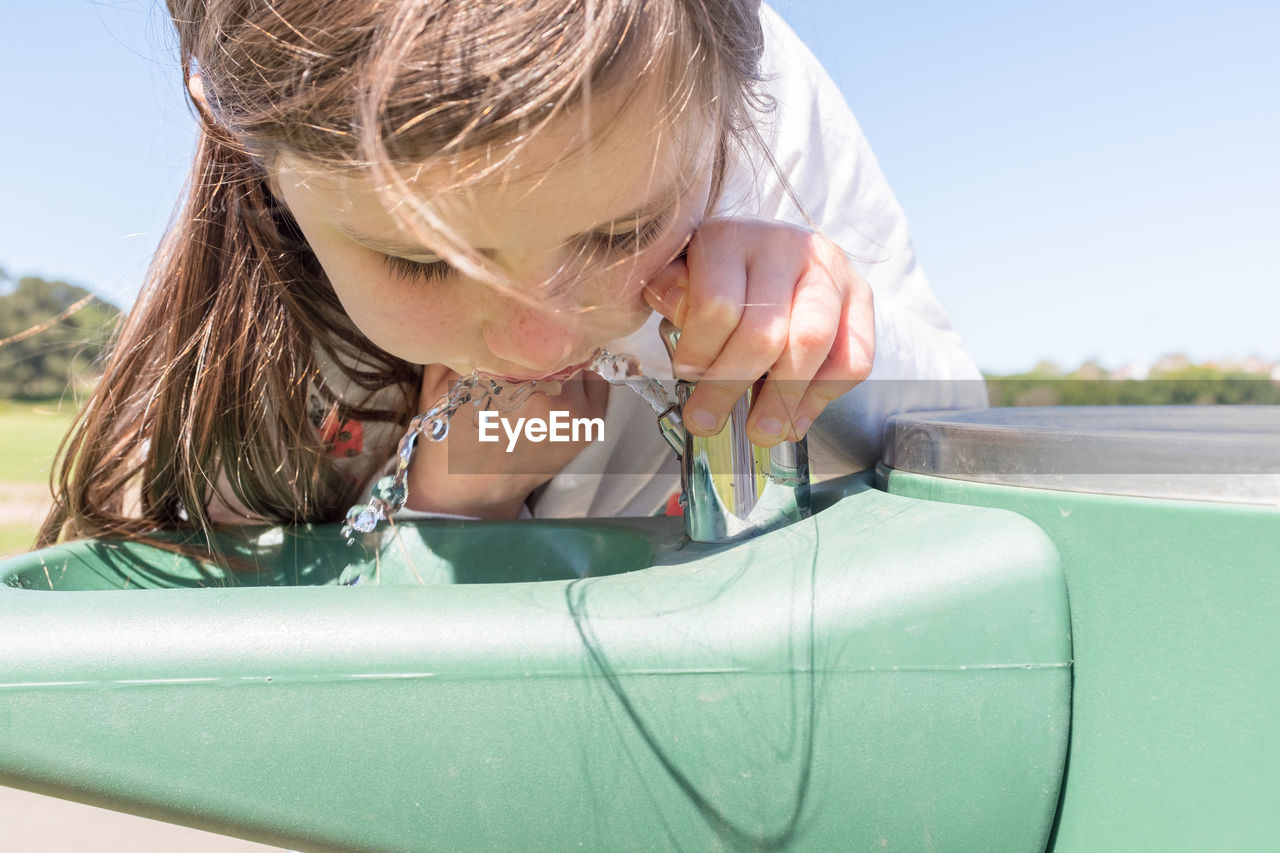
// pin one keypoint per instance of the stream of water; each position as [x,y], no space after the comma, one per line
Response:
[390,493]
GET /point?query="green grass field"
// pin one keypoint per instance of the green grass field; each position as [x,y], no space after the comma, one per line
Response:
[29,436]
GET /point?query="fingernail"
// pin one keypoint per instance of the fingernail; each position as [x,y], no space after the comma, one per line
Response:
[802,426]
[703,419]
[687,371]
[771,427]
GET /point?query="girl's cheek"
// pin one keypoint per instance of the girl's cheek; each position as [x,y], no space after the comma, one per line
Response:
[410,319]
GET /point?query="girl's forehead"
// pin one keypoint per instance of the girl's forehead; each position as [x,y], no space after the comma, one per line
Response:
[596,163]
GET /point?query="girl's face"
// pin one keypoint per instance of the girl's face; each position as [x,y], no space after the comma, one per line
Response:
[583,231]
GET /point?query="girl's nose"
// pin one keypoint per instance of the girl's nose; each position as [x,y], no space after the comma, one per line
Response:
[540,340]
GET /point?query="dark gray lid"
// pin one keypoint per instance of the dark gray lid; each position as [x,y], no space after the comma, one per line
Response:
[1214,453]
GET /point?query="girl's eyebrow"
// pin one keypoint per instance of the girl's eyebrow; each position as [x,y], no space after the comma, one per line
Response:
[400,250]
[649,210]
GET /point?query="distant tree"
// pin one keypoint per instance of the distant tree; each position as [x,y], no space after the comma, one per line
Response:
[42,352]
[1089,370]
[1046,369]
[1188,384]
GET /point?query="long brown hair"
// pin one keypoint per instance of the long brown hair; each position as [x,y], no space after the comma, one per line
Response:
[205,396]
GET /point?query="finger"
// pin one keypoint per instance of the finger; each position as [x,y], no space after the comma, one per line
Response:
[756,343]
[853,351]
[849,363]
[668,291]
[710,404]
[811,334]
[716,292]
[817,396]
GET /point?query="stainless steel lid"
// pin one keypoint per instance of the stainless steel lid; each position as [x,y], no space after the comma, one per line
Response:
[1213,453]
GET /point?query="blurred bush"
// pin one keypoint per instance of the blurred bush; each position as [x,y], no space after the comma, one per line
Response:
[51,335]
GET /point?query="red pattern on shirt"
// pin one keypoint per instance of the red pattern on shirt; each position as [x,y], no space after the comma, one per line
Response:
[344,438]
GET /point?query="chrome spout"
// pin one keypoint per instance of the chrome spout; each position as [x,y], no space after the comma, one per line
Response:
[671,426]
[731,489]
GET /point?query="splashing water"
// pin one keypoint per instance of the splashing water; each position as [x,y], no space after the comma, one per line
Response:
[626,370]
[389,494]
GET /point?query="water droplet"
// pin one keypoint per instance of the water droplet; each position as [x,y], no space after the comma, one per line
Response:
[364,517]
[352,575]
[439,429]
[391,491]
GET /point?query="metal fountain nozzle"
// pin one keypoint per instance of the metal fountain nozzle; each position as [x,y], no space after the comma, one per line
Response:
[731,489]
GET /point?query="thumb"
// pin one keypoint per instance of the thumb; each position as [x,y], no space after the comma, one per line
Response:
[668,292]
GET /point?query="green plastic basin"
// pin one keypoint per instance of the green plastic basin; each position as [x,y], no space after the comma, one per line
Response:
[892,673]
[448,552]
[1168,523]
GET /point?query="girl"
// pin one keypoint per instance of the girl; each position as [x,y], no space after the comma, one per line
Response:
[388,195]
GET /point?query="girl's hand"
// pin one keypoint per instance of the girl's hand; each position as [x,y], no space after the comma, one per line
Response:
[463,476]
[752,298]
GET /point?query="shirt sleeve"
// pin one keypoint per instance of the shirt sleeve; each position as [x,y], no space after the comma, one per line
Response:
[812,138]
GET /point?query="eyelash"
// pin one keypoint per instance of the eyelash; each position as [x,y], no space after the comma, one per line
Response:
[408,270]
[626,241]
[634,240]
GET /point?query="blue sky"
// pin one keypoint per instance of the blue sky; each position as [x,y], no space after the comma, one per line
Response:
[1084,180]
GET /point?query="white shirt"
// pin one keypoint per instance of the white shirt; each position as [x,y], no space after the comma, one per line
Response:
[919,362]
